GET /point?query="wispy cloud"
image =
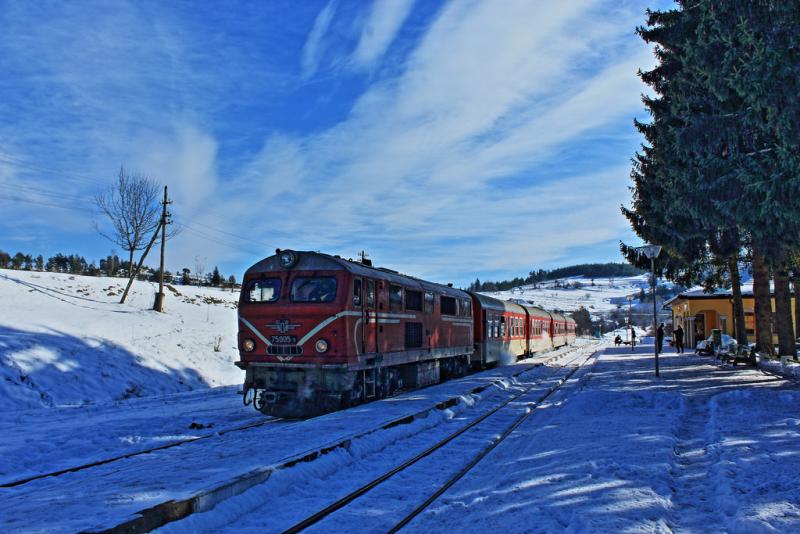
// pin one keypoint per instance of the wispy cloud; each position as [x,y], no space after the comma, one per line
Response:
[498,141]
[313,49]
[447,153]
[379,30]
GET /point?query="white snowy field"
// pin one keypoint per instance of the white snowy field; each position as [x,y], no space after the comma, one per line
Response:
[604,296]
[65,340]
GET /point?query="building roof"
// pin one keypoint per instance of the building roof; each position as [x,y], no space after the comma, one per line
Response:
[702,294]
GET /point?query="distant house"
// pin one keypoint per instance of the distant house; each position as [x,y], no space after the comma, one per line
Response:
[700,312]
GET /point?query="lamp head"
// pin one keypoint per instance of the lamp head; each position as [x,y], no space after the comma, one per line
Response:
[651,251]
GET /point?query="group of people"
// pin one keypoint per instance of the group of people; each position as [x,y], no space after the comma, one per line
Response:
[677,338]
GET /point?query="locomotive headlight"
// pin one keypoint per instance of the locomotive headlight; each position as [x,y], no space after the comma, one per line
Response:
[248,345]
[321,345]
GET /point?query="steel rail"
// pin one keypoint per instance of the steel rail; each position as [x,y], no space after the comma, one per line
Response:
[347,499]
[499,439]
[97,463]
[105,461]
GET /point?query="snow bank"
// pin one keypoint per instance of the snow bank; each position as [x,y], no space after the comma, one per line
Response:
[755,435]
[789,369]
[64,340]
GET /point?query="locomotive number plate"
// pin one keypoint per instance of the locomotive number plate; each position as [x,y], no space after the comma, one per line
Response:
[283,340]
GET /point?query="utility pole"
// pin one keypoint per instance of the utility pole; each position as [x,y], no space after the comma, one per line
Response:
[159,303]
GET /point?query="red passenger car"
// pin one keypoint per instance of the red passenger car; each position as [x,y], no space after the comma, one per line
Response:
[318,333]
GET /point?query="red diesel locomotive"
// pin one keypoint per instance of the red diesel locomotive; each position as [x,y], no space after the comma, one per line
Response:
[318,333]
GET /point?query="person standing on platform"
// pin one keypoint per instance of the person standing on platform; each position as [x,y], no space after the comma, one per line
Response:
[660,338]
[679,339]
[633,338]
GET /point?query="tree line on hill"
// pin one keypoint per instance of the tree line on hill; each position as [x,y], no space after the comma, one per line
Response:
[717,179]
[587,270]
[111,266]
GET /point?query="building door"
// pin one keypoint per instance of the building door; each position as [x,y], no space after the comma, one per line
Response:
[700,327]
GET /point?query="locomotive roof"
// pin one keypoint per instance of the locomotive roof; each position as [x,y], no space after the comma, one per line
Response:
[317,261]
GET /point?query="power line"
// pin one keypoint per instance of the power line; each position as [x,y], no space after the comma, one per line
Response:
[43,192]
[243,238]
[8,160]
[39,203]
[213,240]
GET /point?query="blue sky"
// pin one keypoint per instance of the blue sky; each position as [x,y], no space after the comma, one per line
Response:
[447,139]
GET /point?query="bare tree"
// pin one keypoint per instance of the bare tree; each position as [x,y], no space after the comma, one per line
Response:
[132,205]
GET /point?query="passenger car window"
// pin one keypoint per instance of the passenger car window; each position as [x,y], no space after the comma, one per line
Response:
[313,289]
[264,290]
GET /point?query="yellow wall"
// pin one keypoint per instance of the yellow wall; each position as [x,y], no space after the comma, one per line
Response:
[713,310]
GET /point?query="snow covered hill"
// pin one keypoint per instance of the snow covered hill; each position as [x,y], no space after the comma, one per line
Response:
[64,340]
[598,295]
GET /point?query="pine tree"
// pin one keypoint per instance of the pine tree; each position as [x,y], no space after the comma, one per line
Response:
[216,278]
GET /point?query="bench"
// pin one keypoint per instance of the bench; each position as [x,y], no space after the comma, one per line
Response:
[743,354]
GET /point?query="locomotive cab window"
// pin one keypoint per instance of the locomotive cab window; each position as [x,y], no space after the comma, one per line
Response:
[370,293]
[313,289]
[428,302]
[413,300]
[395,298]
[264,290]
[357,292]
[448,305]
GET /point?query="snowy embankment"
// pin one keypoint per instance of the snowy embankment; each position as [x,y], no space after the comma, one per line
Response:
[598,295]
[787,369]
[65,340]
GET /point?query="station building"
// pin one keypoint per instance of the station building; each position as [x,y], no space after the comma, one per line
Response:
[700,312]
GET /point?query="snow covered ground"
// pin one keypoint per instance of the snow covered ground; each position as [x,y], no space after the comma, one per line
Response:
[604,296]
[65,341]
[107,495]
[705,448]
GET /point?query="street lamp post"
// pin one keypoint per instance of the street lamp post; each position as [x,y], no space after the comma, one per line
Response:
[652,252]
[630,324]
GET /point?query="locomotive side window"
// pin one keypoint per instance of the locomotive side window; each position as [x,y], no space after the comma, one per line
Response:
[428,302]
[395,298]
[448,305]
[371,293]
[357,292]
[502,326]
[313,289]
[264,290]
[466,308]
[413,300]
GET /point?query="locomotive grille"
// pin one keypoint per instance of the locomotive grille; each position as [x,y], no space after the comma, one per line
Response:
[413,335]
[284,350]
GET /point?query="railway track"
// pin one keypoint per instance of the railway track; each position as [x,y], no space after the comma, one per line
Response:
[177,443]
[516,422]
